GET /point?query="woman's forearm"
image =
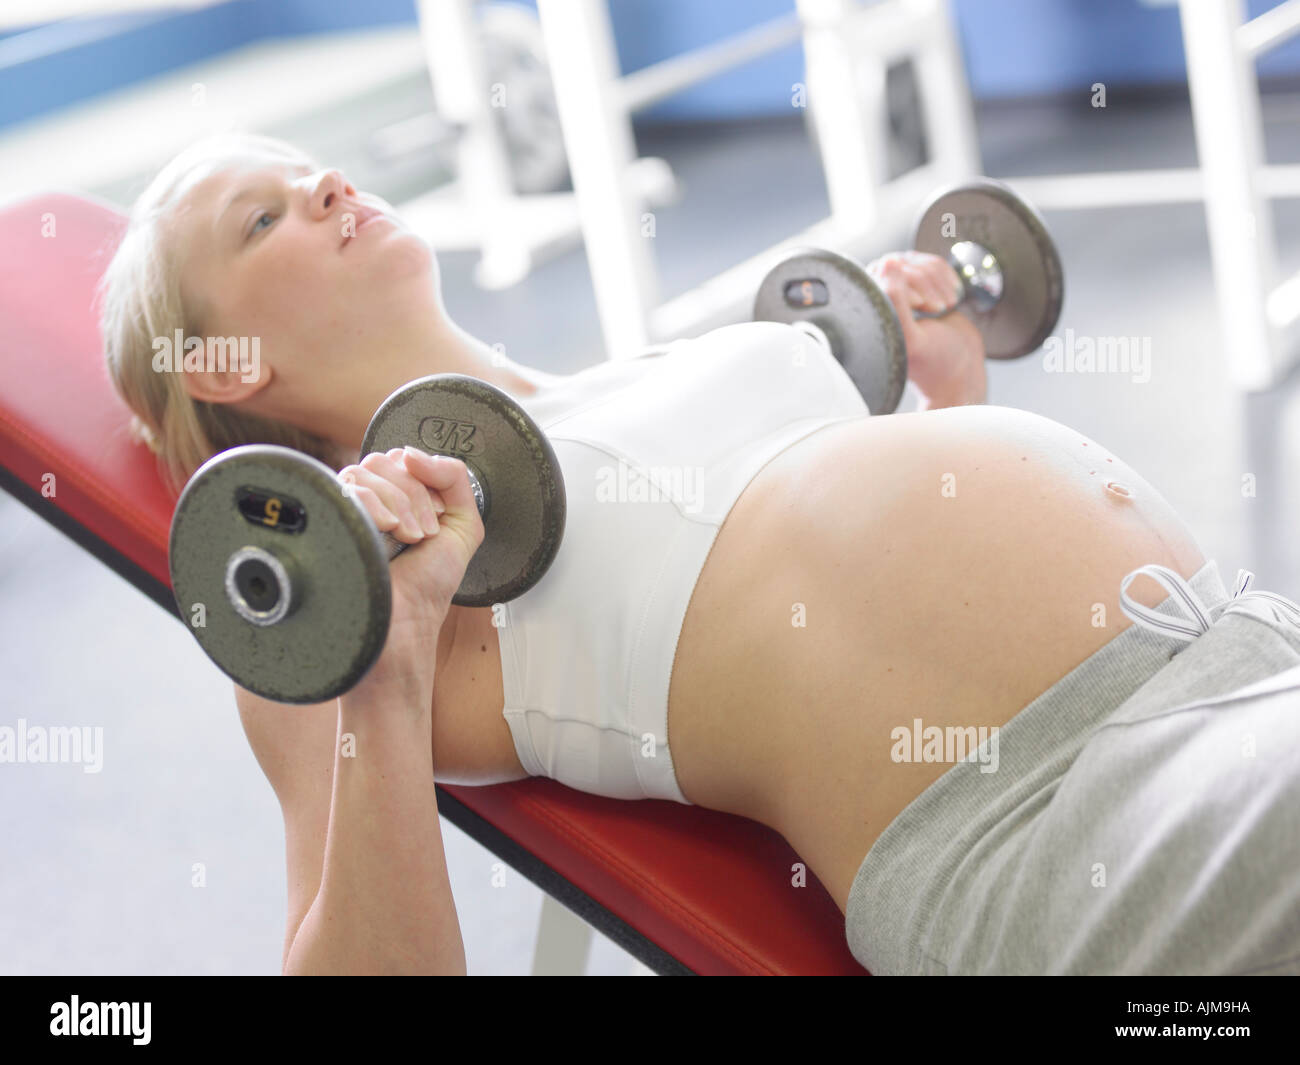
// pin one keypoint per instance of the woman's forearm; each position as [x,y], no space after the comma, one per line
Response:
[963,389]
[385,903]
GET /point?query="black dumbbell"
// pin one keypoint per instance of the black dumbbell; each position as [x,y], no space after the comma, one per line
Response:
[282,574]
[998,244]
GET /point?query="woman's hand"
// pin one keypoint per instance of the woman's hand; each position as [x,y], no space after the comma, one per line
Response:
[426,501]
[945,356]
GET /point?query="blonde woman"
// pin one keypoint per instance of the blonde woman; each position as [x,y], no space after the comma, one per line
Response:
[800,641]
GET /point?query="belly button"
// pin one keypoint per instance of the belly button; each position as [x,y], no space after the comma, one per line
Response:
[1119,491]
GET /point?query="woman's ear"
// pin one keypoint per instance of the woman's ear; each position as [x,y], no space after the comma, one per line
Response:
[225,371]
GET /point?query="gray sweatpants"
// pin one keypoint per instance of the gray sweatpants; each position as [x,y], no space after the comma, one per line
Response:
[1144,818]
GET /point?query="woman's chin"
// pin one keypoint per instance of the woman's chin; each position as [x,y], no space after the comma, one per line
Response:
[406,255]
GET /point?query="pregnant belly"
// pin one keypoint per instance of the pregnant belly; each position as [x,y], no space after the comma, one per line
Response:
[949,566]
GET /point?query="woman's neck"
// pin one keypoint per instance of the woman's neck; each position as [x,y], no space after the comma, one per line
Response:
[457,352]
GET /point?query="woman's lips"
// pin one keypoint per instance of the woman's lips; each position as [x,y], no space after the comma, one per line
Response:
[377,216]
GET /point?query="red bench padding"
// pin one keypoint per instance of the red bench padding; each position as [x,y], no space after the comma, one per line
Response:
[712,890]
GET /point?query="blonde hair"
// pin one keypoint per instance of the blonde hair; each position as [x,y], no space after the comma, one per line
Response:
[140,300]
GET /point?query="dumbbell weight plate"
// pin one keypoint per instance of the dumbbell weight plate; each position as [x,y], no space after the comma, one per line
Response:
[523,521]
[837,295]
[292,506]
[989,213]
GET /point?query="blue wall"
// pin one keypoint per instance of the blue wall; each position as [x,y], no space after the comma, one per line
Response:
[1012,47]
[1028,47]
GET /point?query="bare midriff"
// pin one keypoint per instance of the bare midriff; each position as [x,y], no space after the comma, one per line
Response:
[949,565]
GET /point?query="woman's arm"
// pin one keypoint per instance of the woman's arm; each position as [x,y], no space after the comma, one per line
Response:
[294,745]
[384,904]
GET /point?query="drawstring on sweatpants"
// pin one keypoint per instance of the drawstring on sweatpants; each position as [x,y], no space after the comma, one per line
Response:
[1197,617]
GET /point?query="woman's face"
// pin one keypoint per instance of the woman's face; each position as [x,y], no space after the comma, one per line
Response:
[327,279]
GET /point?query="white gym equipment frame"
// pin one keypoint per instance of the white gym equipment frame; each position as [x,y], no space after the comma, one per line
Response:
[847,49]
[1259,310]
[480,209]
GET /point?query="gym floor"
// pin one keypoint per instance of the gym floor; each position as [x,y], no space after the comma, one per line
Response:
[101,878]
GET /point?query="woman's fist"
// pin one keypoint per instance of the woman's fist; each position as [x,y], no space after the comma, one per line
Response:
[425,501]
[945,356]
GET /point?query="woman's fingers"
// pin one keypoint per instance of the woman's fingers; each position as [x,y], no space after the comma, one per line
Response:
[925,282]
[423,508]
[412,494]
[385,520]
[941,277]
[906,282]
[931,298]
[387,504]
[396,487]
[890,275]
[449,478]
[935,297]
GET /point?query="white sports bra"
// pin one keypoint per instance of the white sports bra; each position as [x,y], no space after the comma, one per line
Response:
[654,452]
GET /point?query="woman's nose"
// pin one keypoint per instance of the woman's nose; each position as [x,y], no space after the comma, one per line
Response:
[329,187]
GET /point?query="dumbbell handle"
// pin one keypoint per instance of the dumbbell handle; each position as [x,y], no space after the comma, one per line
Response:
[394,547]
[981,278]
